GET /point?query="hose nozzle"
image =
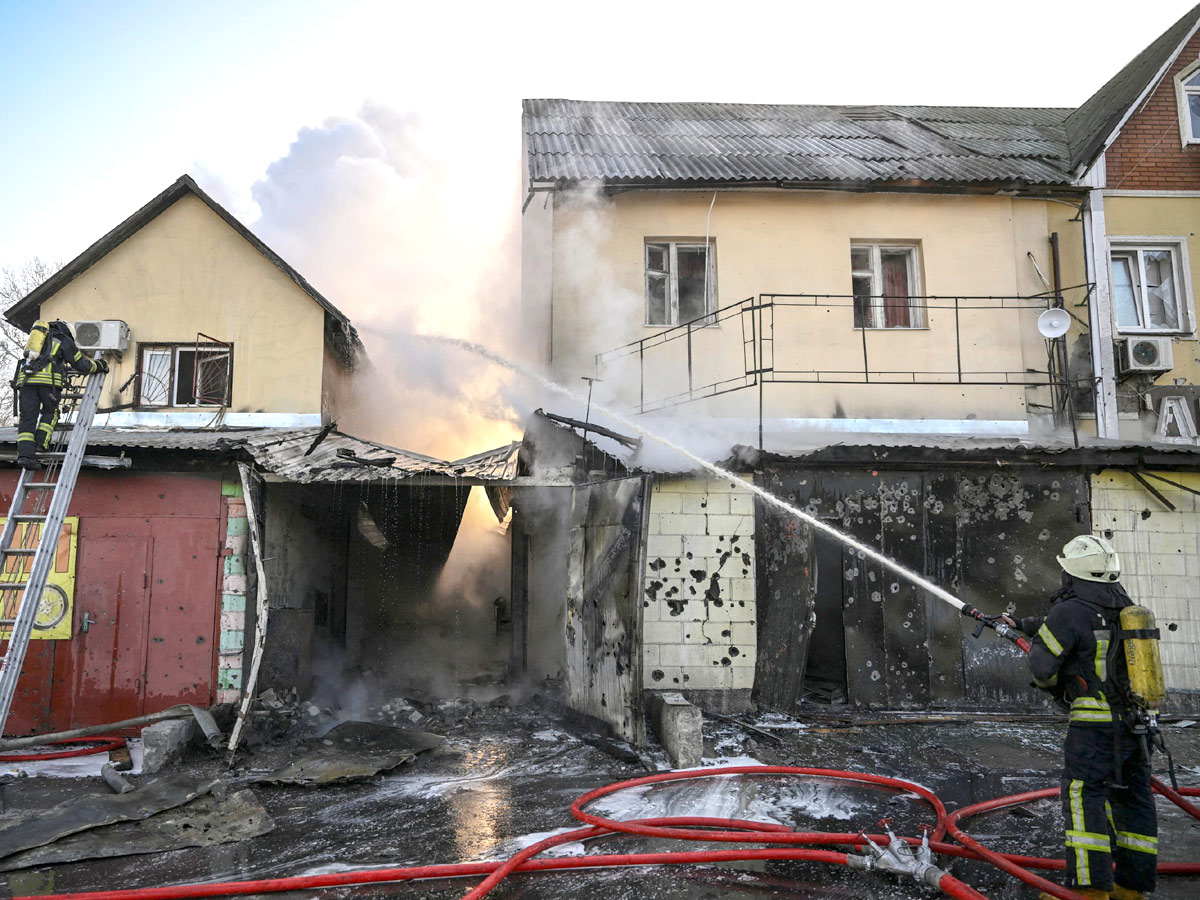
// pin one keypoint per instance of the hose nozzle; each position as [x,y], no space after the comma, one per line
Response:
[997,624]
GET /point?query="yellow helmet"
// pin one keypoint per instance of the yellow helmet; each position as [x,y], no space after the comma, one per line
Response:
[1090,558]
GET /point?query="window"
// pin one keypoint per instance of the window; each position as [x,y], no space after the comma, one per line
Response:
[1148,287]
[681,282]
[886,286]
[1187,97]
[185,375]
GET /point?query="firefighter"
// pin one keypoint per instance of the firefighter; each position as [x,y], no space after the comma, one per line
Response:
[1108,807]
[39,384]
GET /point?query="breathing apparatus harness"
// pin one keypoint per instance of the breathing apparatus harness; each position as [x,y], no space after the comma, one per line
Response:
[1144,690]
[37,349]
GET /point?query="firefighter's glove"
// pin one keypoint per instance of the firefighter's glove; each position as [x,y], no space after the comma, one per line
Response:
[102,365]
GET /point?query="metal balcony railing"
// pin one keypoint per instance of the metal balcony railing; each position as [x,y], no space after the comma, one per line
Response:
[706,347]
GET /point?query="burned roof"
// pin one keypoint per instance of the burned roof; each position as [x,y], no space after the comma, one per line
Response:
[679,144]
[25,311]
[499,464]
[303,455]
[1089,127]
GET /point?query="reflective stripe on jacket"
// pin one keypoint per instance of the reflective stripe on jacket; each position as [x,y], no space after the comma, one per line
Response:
[50,369]
[1069,656]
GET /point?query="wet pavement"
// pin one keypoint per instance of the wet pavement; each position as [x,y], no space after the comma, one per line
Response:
[506,777]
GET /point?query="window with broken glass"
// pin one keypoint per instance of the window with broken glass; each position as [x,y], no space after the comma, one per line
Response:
[184,375]
[681,284]
[1148,288]
[886,291]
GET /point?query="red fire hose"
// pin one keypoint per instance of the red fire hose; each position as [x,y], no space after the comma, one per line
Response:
[688,828]
[101,745]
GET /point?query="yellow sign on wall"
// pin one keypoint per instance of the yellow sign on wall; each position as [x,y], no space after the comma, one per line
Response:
[54,615]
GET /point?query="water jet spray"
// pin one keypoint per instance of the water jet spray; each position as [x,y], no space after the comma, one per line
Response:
[993,622]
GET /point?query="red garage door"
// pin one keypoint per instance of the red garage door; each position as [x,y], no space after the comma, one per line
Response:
[146,605]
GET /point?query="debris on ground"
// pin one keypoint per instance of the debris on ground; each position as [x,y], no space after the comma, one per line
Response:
[45,826]
[206,821]
[506,773]
[354,750]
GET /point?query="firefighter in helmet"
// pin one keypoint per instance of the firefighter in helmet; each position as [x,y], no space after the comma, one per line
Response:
[1076,656]
[39,383]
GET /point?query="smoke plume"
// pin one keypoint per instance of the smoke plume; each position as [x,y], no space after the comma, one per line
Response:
[407,230]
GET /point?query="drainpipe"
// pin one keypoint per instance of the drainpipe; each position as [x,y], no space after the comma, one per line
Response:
[1100,318]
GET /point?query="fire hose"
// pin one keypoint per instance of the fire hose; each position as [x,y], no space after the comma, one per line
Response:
[91,745]
[906,856]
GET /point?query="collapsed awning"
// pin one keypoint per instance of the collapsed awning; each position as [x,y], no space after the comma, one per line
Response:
[306,455]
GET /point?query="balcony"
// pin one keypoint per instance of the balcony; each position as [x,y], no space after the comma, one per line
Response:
[772,344]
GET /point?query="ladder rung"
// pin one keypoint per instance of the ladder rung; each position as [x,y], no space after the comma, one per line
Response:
[41,485]
[19,551]
[12,585]
[29,518]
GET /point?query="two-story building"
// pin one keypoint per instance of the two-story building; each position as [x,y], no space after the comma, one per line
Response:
[1135,144]
[892,314]
[232,376]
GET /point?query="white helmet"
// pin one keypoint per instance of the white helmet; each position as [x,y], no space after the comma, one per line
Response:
[1090,558]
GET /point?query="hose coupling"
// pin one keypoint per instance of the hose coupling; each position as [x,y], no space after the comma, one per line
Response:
[899,858]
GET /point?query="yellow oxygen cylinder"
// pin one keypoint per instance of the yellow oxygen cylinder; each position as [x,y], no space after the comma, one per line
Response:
[37,339]
[1146,681]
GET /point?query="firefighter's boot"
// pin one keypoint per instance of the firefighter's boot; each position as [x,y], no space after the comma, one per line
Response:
[1089,892]
[1124,893]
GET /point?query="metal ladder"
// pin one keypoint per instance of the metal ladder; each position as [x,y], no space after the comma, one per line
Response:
[20,600]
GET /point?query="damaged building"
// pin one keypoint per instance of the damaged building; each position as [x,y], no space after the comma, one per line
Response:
[957,335]
[220,421]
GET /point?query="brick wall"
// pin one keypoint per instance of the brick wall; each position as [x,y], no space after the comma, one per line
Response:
[1160,560]
[699,608]
[1148,153]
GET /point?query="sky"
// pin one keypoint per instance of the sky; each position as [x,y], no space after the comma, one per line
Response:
[376,146]
[104,104]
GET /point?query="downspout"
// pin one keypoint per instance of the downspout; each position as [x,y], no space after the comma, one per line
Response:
[1100,320]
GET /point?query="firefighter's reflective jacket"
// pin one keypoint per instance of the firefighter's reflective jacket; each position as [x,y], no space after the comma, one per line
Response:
[50,368]
[1070,656]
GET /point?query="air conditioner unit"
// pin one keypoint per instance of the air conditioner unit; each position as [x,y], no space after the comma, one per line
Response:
[106,334]
[1145,354]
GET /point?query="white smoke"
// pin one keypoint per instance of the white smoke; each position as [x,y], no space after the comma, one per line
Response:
[407,230]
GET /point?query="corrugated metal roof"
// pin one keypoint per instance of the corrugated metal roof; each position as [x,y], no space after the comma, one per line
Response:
[664,143]
[285,452]
[497,465]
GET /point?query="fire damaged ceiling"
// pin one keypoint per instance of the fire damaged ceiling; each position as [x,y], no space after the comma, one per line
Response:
[309,455]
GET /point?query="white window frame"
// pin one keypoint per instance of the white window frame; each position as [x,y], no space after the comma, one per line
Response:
[1180,267]
[172,388]
[1182,93]
[916,305]
[672,279]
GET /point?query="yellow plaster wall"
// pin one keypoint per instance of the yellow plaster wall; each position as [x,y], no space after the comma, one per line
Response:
[799,242]
[1165,216]
[187,271]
